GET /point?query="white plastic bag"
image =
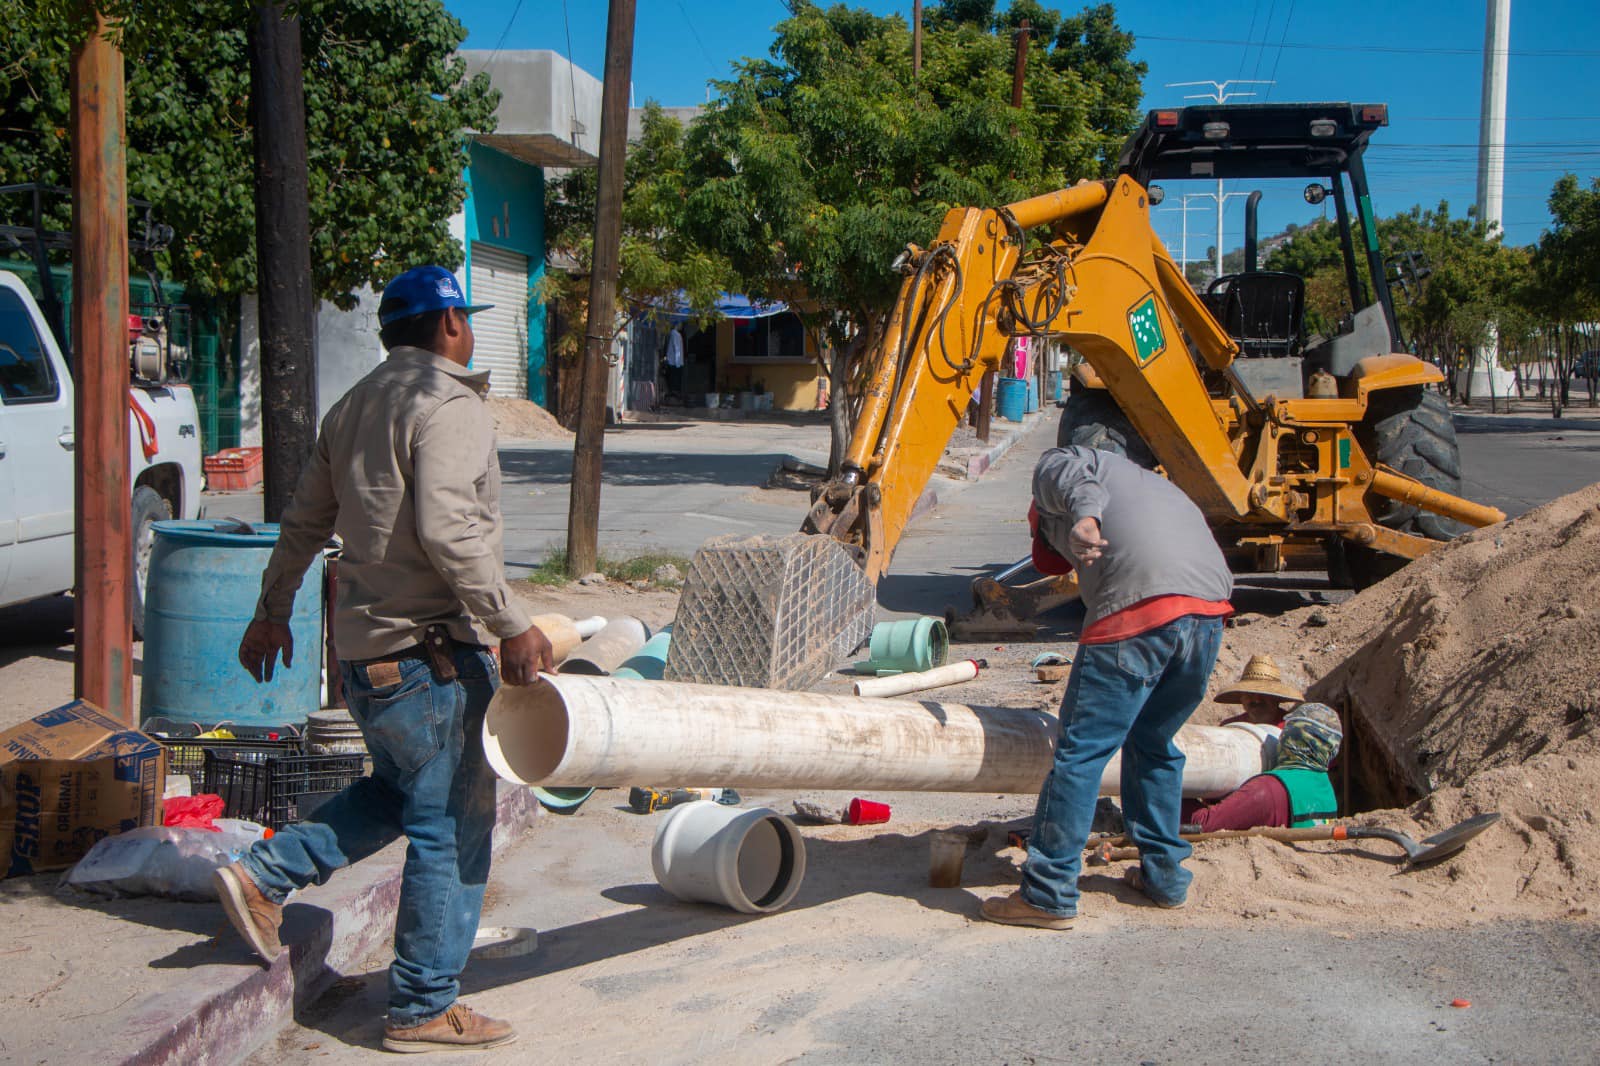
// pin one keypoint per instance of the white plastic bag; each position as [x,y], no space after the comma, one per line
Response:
[162,860]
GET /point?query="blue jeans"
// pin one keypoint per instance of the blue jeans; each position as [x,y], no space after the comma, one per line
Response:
[1132,694]
[430,782]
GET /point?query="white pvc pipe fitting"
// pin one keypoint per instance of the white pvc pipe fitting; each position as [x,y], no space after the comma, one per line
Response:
[749,859]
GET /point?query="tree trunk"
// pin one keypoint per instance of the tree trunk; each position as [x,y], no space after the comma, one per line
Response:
[844,408]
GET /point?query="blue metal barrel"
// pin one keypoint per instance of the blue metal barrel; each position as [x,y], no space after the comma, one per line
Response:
[204,579]
[1011,399]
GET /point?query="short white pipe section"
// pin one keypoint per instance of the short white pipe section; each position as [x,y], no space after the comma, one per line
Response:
[601,731]
[609,648]
[561,632]
[750,860]
[588,627]
[901,684]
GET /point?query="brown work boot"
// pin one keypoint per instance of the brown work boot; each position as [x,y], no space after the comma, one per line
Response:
[458,1029]
[1134,877]
[1014,910]
[255,916]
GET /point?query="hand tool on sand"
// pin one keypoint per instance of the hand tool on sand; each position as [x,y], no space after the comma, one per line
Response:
[650,800]
[1440,845]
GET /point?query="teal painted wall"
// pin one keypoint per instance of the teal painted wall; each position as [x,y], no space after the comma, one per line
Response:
[505,208]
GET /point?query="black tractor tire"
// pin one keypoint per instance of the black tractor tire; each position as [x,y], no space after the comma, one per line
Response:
[1409,430]
[149,507]
[1091,419]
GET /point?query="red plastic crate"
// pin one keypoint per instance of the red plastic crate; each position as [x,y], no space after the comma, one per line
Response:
[233,469]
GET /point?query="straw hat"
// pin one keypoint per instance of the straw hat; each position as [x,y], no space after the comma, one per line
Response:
[1261,677]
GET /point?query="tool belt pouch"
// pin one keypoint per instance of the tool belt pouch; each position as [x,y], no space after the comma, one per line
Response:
[440,647]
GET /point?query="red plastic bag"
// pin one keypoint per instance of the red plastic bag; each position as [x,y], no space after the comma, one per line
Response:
[194,812]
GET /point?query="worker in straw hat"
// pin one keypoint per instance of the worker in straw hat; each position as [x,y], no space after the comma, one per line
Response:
[1262,692]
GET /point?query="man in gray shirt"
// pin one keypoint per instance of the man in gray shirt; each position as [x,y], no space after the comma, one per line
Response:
[406,473]
[1155,587]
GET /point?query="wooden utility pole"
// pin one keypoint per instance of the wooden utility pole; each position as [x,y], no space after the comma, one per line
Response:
[583,512]
[103,563]
[1020,67]
[287,310]
[916,38]
[990,378]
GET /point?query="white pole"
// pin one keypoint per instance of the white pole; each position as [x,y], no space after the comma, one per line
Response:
[1492,153]
[1492,119]
[1220,201]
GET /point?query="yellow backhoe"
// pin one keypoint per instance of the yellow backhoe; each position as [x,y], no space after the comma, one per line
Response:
[1304,450]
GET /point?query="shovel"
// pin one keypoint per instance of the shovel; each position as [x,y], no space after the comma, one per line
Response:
[1439,846]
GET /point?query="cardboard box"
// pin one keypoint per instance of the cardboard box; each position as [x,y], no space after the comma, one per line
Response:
[69,778]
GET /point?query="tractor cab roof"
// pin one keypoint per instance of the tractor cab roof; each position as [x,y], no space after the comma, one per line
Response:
[1249,141]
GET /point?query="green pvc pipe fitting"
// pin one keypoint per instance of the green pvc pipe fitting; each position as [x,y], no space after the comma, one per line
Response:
[907,646]
[649,663]
[562,800]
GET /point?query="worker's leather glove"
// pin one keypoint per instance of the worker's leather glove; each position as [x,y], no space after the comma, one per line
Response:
[1086,542]
[524,655]
[259,649]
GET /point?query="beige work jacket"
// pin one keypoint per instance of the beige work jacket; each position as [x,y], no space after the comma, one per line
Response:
[406,473]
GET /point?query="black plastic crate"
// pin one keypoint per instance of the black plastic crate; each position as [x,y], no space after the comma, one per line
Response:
[186,755]
[275,790]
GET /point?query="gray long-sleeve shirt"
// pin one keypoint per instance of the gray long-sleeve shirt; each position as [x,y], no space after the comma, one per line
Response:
[1158,543]
[405,471]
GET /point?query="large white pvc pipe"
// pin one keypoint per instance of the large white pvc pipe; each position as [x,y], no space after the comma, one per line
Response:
[600,731]
[920,681]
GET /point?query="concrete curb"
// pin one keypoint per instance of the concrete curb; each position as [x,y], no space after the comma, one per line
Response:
[979,464]
[331,929]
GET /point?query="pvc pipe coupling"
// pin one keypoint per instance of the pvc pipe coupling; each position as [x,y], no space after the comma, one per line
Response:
[751,860]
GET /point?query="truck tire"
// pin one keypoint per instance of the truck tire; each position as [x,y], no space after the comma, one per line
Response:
[1410,430]
[149,507]
[1092,419]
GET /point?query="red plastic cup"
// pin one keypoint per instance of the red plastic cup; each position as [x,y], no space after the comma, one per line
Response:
[866,812]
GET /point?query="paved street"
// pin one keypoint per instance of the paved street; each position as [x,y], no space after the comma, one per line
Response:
[869,965]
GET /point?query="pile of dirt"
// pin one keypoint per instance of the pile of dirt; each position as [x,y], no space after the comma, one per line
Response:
[524,420]
[1471,682]
[1480,655]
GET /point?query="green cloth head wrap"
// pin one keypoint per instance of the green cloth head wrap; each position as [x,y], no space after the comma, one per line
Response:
[1310,738]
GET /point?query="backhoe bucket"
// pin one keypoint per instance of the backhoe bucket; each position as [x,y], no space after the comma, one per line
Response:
[770,612]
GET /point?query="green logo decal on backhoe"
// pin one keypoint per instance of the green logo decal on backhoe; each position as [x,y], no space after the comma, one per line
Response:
[1145,323]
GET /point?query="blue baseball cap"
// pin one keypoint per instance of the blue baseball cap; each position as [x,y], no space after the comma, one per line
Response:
[423,289]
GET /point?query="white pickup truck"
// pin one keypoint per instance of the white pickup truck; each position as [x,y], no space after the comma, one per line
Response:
[36,457]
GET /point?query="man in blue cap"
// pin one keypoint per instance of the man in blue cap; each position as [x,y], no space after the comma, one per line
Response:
[406,473]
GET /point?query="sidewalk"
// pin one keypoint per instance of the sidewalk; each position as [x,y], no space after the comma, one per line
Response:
[157,981]
[152,981]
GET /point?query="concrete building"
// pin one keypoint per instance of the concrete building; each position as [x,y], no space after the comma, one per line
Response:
[752,356]
[548,117]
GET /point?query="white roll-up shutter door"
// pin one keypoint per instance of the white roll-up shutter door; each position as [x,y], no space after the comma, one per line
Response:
[500,277]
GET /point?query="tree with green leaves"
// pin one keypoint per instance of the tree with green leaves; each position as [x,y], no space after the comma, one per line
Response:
[660,266]
[1566,292]
[813,168]
[389,111]
[1474,283]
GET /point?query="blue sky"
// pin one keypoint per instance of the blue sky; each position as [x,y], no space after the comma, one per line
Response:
[1423,59]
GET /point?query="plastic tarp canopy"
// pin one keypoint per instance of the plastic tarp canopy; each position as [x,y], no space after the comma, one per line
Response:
[728,305]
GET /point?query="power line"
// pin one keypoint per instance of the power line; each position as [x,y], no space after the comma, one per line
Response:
[1276,59]
[515,11]
[1544,52]
[1261,49]
[711,64]
[1245,57]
